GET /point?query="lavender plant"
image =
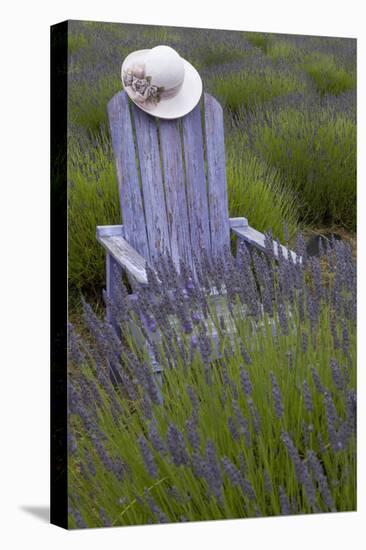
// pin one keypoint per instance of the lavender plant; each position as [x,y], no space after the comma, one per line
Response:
[312,145]
[244,421]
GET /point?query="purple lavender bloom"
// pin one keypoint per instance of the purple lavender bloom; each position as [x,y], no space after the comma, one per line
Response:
[146,407]
[225,374]
[308,402]
[71,443]
[332,423]
[155,439]
[248,490]
[320,477]
[106,521]
[245,381]
[277,397]
[232,472]
[198,464]
[74,343]
[242,423]
[90,465]
[282,316]
[192,433]
[304,342]
[319,386]
[155,509]
[284,502]
[317,278]
[103,455]
[351,410]
[148,458]
[194,400]
[254,416]
[337,375]
[78,518]
[234,390]
[232,428]
[196,318]
[294,455]
[333,329]
[313,311]
[268,488]
[212,472]
[301,470]
[245,355]
[176,446]
[345,339]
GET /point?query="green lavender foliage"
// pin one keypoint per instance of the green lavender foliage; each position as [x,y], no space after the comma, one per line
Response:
[92,200]
[328,75]
[258,190]
[314,150]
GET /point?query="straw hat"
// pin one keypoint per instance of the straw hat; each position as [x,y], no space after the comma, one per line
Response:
[161,82]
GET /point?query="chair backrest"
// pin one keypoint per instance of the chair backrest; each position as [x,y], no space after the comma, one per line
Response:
[172,179]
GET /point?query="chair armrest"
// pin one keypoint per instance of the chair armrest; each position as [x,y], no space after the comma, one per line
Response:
[112,239]
[257,239]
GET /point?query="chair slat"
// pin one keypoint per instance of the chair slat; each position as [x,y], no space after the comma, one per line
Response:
[216,175]
[152,182]
[196,181]
[174,182]
[128,181]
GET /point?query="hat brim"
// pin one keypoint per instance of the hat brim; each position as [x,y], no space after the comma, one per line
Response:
[172,107]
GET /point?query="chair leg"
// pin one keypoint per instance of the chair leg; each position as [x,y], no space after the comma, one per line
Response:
[113,277]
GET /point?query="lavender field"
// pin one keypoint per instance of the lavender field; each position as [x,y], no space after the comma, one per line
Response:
[290,129]
[245,405]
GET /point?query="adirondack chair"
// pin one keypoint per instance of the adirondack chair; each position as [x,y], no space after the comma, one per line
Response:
[172,187]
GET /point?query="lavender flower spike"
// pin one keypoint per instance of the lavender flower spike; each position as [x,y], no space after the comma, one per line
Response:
[277,398]
[148,457]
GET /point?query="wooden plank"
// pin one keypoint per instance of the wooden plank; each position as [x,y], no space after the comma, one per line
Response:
[238,222]
[126,256]
[255,238]
[196,181]
[129,186]
[216,175]
[152,182]
[175,194]
[110,230]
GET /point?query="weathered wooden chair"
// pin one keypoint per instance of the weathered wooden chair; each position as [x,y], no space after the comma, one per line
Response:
[172,188]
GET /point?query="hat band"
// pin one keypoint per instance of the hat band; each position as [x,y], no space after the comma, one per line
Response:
[143,91]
